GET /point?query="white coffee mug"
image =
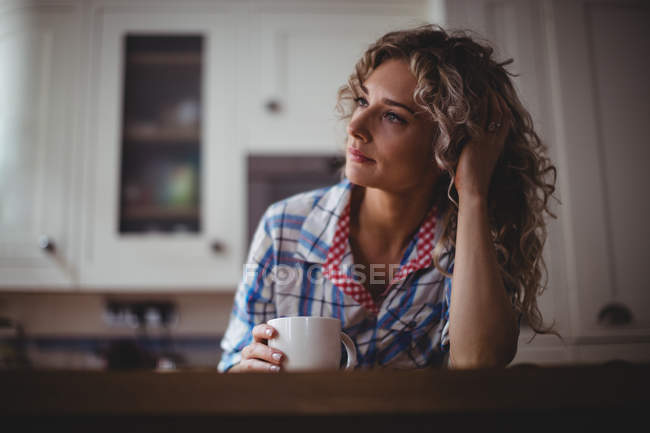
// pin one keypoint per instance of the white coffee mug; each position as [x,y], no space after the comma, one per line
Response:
[311,343]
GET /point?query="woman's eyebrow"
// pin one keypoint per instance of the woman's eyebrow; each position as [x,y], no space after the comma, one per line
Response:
[387,101]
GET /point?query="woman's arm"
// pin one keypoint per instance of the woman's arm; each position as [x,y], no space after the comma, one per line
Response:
[482,326]
[243,344]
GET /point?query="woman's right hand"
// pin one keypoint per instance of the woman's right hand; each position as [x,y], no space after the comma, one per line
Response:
[257,356]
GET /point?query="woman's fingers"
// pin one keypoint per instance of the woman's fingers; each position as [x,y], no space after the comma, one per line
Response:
[257,356]
[505,118]
[263,332]
[484,111]
[496,109]
[500,120]
[491,110]
[263,352]
[255,365]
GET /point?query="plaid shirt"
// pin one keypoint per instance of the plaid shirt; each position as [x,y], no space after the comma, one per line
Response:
[300,264]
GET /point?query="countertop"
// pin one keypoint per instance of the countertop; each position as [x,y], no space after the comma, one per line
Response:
[415,398]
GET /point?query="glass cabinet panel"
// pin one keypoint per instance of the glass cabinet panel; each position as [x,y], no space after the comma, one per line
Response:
[161,134]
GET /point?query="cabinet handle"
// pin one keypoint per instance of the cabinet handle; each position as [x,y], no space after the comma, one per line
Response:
[614,314]
[217,247]
[47,244]
[273,106]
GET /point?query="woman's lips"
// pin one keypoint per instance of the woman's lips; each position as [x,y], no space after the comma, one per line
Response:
[357,156]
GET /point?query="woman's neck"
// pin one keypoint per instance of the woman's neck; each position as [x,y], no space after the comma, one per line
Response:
[386,219]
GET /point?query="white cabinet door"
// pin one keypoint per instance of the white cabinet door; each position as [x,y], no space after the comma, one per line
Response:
[299,62]
[601,50]
[38,73]
[164,261]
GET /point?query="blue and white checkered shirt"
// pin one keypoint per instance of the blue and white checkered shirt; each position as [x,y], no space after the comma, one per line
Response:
[283,278]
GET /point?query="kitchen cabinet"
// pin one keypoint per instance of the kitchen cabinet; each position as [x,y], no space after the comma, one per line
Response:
[38,176]
[601,108]
[75,212]
[299,60]
[206,252]
[583,67]
[246,107]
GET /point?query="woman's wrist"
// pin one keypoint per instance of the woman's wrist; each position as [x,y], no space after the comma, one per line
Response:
[475,201]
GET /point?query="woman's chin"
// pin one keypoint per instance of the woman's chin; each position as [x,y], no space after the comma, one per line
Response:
[359,175]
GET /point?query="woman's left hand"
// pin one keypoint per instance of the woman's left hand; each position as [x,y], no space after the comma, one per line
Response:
[480,154]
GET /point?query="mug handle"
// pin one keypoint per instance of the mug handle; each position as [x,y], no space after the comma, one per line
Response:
[351,350]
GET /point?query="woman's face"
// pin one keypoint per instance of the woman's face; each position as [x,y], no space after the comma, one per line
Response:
[389,143]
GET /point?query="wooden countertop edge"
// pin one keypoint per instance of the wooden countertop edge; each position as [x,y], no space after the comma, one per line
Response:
[360,392]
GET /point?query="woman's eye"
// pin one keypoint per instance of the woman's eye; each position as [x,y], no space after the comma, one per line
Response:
[361,101]
[392,117]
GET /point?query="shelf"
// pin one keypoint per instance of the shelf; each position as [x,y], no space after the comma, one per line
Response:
[162,135]
[158,213]
[165,59]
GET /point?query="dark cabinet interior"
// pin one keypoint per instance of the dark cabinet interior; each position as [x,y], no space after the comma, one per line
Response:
[160,175]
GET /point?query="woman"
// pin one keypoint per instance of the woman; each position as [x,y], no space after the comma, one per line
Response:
[445,188]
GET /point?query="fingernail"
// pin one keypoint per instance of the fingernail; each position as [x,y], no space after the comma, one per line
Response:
[269,332]
[277,356]
[274,368]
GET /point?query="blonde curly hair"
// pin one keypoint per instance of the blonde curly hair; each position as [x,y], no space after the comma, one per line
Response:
[454,75]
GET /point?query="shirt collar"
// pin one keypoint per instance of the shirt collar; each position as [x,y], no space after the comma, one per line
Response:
[329,217]
[320,224]
[334,268]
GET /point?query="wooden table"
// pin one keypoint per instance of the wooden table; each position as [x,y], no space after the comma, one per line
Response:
[510,399]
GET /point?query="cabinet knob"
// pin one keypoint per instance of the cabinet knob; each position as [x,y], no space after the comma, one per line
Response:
[614,314]
[46,243]
[273,106]
[217,247]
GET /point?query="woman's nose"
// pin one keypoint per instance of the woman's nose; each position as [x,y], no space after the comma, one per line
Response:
[358,129]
